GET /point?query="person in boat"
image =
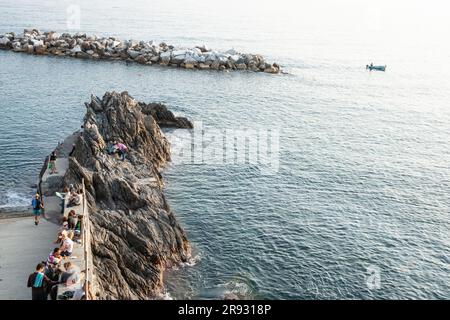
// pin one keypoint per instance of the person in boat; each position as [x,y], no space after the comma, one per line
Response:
[37,205]
[39,283]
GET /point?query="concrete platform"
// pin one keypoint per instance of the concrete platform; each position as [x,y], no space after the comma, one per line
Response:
[53,209]
[61,167]
[22,246]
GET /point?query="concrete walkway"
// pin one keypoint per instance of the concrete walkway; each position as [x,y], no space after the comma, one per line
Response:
[22,246]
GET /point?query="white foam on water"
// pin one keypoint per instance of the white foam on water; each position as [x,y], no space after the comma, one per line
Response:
[192,261]
[238,288]
[15,199]
[163,296]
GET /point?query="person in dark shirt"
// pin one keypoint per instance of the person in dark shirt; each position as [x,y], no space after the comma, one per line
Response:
[39,283]
[52,163]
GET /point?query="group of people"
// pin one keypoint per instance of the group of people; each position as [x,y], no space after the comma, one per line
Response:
[44,281]
[118,148]
[57,269]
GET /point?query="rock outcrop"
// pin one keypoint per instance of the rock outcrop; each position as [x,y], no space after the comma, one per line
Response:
[164,117]
[135,235]
[80,45]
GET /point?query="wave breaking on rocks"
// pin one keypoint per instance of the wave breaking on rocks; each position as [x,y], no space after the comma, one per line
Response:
[80,45]
[135,235]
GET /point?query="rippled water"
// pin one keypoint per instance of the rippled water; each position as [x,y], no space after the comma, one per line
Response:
[364,160]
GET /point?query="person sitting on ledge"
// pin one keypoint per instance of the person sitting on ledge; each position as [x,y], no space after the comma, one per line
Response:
[52,265]
[67,245]
[73,219]
[39,283]
[74,199]
[54,258]
[61,234]
[77,230]
[71,275]
[65,223]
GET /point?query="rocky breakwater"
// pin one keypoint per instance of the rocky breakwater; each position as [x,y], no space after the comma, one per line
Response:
[80,45]
[135,235]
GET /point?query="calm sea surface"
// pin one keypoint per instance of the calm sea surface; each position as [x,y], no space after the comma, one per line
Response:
[359,206]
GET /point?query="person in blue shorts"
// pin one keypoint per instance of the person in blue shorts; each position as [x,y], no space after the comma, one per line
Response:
[37,205]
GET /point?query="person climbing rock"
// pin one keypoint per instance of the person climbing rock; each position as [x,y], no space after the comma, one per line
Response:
[37,205]
[122,150]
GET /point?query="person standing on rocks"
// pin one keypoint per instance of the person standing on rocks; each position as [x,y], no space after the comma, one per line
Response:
[52,163]
[37,205]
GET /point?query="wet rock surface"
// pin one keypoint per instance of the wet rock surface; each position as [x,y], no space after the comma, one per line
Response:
[82,46]
[135,235]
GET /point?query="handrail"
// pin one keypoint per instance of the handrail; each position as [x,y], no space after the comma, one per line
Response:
[86,235]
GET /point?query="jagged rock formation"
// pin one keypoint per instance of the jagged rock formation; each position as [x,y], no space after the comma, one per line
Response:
[82,46]
[135,235]
[164,117]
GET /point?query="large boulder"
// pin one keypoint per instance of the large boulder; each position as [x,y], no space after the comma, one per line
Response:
[40,49]
[164,117]
[4,42]
[133,54]
[165,57]
[76,49]
[35,42]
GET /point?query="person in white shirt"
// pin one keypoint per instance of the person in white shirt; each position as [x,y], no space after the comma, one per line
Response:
[67,245]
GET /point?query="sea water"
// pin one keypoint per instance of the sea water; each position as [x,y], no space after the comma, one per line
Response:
[358,205]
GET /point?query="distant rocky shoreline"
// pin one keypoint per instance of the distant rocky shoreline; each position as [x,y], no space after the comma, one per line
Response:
[80,45]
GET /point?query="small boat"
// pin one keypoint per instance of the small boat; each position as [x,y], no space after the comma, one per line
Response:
[372,67]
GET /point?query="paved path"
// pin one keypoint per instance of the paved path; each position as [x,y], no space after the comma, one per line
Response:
[22,246]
